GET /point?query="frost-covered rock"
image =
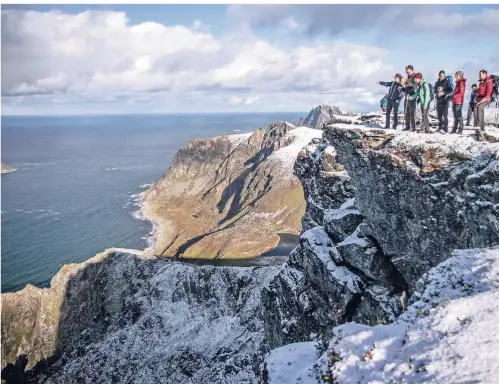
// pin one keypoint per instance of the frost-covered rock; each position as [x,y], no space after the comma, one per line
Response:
[446,336]
[121,318]
[422,196]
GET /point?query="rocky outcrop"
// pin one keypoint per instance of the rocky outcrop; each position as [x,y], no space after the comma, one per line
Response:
[321,114]
[427,195]
[228,197]
[6,168]
[383,208]
[123,317]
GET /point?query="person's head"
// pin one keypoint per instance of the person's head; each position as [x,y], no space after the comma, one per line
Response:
[441,75]
[482,74]
[459,75]
[474,87]
[418,77]
[398,78]
[409,69]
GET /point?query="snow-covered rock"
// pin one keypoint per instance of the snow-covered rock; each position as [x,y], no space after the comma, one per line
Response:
[448,335]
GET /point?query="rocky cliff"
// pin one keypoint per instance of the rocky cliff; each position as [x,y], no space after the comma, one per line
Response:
[228,197]
[126,318]
[383,208]
[320,115]
[6,168]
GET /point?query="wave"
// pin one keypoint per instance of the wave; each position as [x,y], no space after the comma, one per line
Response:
[143,186]
[111,169]
[41,212]
[137,200]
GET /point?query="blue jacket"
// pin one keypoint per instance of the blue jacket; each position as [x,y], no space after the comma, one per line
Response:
[473,98]
[395,91]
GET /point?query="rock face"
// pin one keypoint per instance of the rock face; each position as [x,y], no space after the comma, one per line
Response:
[6,168]
[321,114]
[228,197]
[427,195]
[382,209]
[120,317]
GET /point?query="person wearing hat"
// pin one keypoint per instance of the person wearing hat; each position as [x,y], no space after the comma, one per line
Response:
[393,99]
[424,97]
[410,90]
[443,91]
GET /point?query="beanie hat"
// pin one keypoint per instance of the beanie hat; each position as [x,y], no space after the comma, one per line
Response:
[410,67]
[418,76]
[399,76]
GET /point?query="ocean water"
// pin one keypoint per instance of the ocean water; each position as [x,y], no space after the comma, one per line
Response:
[75,191]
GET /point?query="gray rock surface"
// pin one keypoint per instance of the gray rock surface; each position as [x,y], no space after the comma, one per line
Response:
[426,195]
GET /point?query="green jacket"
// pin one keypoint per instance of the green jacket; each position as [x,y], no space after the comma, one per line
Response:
[424,94]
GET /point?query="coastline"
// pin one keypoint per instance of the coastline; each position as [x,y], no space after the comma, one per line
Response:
[9,170]
[159,225]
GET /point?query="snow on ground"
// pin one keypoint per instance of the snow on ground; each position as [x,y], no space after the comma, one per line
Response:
[449,335]
[298,138]
[239,138]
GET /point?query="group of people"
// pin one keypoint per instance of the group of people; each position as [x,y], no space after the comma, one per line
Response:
[415,90]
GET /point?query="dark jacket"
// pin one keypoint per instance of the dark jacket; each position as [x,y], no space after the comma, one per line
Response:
[410,88]
[444,84]
[473,98]
[484,90]
[395,91]
[459,90]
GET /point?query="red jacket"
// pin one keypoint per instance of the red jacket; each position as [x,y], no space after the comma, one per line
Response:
[484,90]
[459,89]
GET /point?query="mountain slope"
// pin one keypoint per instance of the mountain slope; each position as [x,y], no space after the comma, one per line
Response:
[228,197]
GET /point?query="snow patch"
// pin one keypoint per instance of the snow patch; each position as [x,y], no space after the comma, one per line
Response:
[448,336]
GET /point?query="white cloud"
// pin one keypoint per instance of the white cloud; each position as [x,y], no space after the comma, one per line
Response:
[236,100]
[99,56]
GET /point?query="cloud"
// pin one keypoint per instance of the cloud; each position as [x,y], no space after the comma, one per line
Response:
[100,56]
[335,18]
[249,100]
[487,22]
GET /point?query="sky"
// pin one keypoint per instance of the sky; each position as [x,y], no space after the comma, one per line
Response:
[93,59]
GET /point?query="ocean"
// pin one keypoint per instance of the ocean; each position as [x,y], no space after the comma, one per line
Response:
[78,179]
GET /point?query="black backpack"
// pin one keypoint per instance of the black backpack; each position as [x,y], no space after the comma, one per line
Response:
[495,88]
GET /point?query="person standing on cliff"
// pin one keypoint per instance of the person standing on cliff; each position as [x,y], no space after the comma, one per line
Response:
[410,90]
[471,106]
[457,102]
[424,97]
[483,98]
[443,90]
[393,99]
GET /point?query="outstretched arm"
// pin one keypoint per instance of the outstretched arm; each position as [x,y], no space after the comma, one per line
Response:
[385,83]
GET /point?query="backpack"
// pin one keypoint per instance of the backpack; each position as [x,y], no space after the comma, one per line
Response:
[451,82]
[384,102]
[495,88]
[432,91]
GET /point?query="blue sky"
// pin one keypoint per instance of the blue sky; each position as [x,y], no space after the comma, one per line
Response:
[64,59]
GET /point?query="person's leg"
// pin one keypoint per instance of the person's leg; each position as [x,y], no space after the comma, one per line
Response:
[481,115]
[439,115]
[388,112]
[454,113]
[395,114]
[406,114]
[412,107]
[459,115]
[470,113]
[426,123]
[445,113]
